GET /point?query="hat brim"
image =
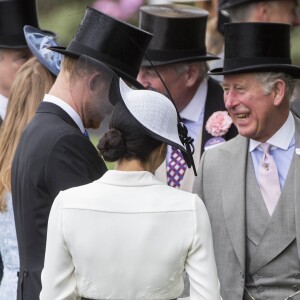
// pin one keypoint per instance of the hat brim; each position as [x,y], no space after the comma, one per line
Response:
[73,54]
[146,62]
[292,70]
[238,3]
[175,142]
[36,51]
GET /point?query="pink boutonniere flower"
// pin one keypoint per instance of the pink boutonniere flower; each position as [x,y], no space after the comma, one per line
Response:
[218,123]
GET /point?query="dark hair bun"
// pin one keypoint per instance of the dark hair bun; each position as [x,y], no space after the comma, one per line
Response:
[112,145]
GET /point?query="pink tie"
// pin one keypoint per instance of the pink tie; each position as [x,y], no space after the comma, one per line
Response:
[269,179]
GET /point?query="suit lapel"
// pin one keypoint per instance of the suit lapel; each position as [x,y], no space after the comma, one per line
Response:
[286,217]
[233,194]
[48,107]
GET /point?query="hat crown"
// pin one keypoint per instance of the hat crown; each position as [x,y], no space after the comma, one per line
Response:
[178,32]
[119,45]
[257,47]
[258,40]
[14,15]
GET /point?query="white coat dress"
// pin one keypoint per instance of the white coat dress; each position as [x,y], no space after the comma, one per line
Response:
[128,236]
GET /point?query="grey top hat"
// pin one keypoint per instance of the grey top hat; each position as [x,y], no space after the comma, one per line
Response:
[178,33]
[265,48]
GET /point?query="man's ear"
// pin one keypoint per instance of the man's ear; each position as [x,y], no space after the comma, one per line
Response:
[93,81]
[279,92]
[193,74]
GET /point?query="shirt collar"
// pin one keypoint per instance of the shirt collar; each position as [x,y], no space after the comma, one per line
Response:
[3,106]
[67,108]
[282,138]
[193,110]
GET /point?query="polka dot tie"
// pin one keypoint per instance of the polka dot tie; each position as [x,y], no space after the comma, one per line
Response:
[175,168]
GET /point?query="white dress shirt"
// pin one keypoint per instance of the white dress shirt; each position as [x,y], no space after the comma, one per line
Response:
[67,108]
[3,106]
[282,149]
[128,236]
[193,114]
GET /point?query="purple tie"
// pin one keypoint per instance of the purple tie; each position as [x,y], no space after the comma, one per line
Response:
[269,179]
[175,168]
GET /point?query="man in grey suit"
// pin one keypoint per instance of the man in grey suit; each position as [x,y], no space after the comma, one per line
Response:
[255,222]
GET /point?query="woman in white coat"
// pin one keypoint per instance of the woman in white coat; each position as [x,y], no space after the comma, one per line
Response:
[128,235]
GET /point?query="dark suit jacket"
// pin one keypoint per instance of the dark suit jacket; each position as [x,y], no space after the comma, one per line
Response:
[215,102]
[52,155]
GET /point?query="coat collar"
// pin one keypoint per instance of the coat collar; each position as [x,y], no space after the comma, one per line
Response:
[233,193]
[131,178]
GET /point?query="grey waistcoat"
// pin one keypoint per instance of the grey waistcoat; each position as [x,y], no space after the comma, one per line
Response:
[272,263]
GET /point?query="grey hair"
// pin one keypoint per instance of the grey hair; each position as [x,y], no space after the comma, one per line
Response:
[183,67]
[267,80]
[241,13]
[2,50]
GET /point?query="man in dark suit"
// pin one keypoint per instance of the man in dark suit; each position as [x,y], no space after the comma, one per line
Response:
[55,152]
[180,58]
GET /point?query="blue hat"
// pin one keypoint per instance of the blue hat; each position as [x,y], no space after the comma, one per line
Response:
[38,42]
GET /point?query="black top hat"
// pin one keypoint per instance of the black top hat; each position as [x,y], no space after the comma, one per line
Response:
[233,3]
[119,45]
[178,33]
[257,47]
[14,14]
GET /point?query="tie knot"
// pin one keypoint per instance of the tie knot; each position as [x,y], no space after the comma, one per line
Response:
[265,147]
[86,134]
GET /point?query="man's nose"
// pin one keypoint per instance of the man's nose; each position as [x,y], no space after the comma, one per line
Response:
[141,78]
[230,100]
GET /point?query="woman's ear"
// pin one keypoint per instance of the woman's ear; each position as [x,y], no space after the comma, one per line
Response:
[163,150]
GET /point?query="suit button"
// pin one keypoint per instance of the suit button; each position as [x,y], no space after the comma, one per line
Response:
[255,277]
[261,288]
[297,276]
[295,287]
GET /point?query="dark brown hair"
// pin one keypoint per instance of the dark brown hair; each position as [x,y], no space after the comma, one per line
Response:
[126,138]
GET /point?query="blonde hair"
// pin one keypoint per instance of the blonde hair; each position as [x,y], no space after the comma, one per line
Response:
[32,81]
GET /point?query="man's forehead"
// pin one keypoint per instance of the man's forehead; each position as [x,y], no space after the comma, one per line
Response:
[242,78]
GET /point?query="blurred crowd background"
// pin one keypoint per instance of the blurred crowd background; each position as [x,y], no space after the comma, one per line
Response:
[63,17]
